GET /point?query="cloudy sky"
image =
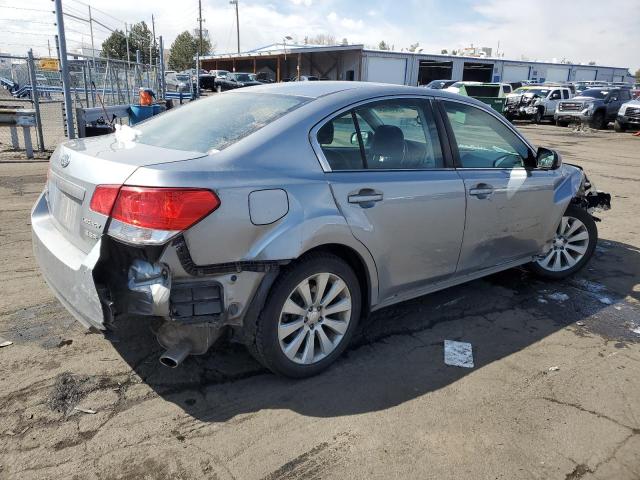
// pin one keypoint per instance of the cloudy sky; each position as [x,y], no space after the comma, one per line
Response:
[604,32]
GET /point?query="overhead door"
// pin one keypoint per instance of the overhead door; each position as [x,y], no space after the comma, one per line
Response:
[557,74]
[386,70]
[515,73]
[586,74]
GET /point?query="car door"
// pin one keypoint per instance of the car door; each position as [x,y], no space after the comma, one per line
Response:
[613,104]
[393,184]
[507,214]
[552,101]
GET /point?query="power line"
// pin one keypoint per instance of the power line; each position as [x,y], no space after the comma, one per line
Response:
[25,8]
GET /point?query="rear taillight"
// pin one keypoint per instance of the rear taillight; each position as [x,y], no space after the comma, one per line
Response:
[103,198]
[152,215]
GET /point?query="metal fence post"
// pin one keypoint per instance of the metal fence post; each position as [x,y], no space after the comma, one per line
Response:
[35,99]
[163,87]
[198,75]
[68,106]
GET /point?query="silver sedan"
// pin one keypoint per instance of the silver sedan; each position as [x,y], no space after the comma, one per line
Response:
[282,214]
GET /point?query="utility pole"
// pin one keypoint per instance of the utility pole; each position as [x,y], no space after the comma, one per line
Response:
[93,49]
[152,45]
[49,47]
[235,2]
[200,21]
[126,39]
[64,67]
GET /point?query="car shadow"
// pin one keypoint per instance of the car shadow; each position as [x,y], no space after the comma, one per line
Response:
[397,354]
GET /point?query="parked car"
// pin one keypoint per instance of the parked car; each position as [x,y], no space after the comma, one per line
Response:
[237,80]
[596,106]
[628,116]
[534,103]
[264,77]
[203,78]
[439,84]
[280,215]
[178,82]
[304,78]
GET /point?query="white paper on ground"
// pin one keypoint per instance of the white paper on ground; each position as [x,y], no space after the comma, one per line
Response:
[458,354]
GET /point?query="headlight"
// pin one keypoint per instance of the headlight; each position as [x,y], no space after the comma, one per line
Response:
[590,108]
[623,110]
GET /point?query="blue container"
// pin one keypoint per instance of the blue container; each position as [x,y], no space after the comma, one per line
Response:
[158,108]
[140,113]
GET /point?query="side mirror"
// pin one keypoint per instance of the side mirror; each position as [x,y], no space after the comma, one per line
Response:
[548,159]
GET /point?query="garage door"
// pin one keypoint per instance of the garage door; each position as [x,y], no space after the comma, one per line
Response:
[586,74]
[557,74]
[515,73]
[386,70]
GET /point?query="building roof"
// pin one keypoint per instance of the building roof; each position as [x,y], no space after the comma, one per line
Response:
[282,49]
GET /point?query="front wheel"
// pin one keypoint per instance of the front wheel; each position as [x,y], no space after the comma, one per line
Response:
[562,123]
[599,121]
[538,116]
[571,248]
[310,315]
[619,127]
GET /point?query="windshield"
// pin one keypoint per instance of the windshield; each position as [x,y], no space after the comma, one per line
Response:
[216,122]
[243,77]
[541,92]
[183,78]
[595,93]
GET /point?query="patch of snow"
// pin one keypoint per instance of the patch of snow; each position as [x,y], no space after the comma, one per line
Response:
[458,354]
[558,296]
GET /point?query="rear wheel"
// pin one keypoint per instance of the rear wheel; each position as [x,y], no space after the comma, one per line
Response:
[562,123]
[572,246]
[619,127]
[310,316]
[598,121]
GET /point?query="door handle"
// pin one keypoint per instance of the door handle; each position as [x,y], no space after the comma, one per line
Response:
[365,197]
[482,190]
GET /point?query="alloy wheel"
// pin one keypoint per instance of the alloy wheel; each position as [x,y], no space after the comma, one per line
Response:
[568,247]
[314,318]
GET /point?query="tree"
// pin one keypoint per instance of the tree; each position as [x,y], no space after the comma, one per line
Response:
[592,62]
[444,51]
[345,41]
[638,75]
[115,46]
[413,47]
[321,39]
[383,45]
[140,38]
[184,49]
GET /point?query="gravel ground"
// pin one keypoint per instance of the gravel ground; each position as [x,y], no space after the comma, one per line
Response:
[554,393]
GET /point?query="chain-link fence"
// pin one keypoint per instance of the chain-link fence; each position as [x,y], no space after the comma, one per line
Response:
[94,83]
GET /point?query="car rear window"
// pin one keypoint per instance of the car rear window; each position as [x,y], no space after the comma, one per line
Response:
[215,122]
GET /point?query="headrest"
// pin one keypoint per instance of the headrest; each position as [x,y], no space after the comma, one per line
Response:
[325,134]
[388,140]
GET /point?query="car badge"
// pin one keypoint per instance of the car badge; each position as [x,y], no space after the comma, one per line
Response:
[64,160]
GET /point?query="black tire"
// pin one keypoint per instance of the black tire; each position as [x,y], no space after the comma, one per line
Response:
[619,127]
[538,116]
[267,348]
[590,224]
[598,121]
[562,123]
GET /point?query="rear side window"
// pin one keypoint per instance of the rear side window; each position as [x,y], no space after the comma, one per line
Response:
[215,122]
[483,141]
[385,135]
[565,94]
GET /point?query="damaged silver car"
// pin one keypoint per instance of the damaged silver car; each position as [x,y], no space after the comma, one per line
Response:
[280,215]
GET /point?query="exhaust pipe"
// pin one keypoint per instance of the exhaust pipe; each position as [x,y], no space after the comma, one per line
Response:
[175,355]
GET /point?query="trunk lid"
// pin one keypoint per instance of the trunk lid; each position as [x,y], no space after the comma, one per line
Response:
[77,166]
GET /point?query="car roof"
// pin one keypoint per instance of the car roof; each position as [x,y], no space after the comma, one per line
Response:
[359,89]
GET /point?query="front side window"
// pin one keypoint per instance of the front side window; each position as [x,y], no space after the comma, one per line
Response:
[389,134]
[483,141]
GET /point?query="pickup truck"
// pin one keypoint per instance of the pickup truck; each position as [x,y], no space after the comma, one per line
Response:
[628,116]
[535,103]
[595,107]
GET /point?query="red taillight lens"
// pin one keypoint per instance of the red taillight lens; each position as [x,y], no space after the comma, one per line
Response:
[103,198]
[163,208]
